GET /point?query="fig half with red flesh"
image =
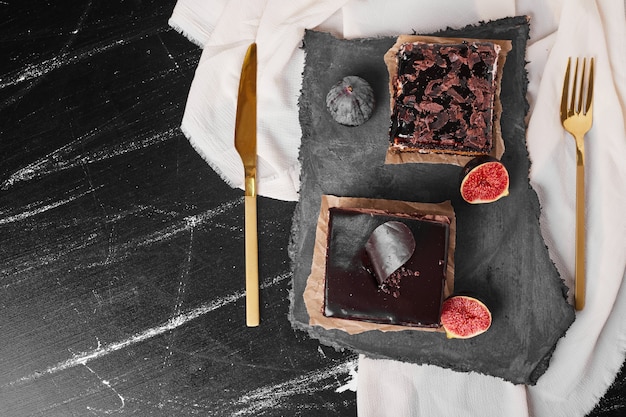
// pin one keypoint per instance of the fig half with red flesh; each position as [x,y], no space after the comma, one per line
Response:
[484,179]
[463,317]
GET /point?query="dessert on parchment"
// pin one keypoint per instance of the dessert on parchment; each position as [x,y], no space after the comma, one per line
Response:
[444,99]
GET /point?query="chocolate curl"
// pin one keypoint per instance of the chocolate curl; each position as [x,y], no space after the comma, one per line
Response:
[389,247]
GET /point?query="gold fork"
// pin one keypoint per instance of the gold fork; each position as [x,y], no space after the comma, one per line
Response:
[576,117]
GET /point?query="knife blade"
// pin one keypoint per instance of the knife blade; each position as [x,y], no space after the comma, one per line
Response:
[245,143]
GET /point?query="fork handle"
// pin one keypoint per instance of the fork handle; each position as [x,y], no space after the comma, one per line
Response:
[579,271]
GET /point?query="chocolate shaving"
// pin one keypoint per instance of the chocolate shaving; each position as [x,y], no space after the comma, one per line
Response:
[389,247]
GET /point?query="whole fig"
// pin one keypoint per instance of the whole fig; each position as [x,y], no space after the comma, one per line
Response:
[350,101]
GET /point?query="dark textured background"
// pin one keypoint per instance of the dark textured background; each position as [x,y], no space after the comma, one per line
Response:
[121,269]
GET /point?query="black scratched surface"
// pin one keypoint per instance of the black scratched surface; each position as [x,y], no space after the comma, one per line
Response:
[121,251]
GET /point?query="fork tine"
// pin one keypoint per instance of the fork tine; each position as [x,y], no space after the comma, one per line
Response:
[572,105]
[581,95]
[588,106]
[565,92]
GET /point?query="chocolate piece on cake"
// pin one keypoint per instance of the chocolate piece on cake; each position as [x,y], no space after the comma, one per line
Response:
[409,296]
[388,248]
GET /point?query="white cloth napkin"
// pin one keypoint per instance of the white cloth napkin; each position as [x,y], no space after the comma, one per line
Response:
[588,357]
[209,118]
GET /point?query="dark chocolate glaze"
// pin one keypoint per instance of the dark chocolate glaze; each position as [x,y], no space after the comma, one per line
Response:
[444,96]
[352,291]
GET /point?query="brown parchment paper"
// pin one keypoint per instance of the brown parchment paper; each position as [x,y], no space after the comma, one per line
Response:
[314,292]
[394,155]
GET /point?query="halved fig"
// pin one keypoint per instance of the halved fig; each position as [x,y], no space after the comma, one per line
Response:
[484,179]
[463,317]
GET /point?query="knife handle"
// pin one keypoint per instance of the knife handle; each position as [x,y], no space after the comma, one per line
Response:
[252,263]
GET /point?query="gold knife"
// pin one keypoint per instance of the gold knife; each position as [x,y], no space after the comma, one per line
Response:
[245,143]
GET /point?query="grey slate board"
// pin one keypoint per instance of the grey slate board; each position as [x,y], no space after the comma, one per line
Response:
[501,257]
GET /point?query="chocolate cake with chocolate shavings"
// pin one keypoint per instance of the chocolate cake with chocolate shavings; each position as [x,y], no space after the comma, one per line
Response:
[444,96]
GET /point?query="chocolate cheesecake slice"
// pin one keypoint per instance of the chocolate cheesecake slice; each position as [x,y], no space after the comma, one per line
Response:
[408,294]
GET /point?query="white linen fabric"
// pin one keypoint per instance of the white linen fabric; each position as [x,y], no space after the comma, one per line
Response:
[588,357]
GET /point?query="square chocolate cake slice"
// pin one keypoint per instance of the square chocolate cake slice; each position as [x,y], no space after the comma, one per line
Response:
[445,99]
[411,292]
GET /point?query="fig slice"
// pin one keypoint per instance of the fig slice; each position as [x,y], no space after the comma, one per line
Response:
[463,317]
[389,247]
[484,179]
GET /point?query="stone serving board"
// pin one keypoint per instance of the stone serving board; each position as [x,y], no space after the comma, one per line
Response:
[500,256]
